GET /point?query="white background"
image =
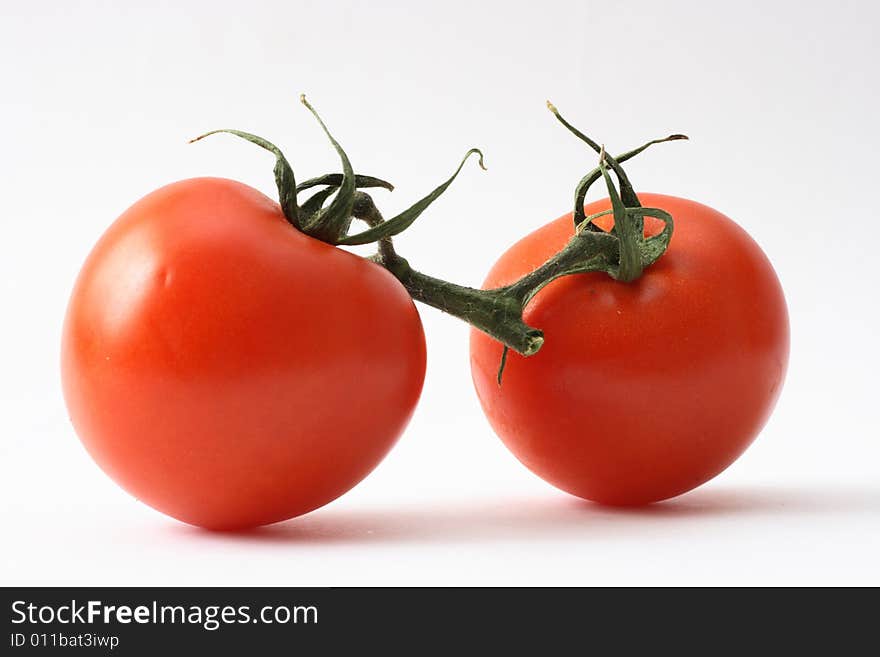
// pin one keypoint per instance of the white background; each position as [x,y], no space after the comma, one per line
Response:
[779,99]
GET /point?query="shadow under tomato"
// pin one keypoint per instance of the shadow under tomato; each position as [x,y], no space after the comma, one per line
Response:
[558,517]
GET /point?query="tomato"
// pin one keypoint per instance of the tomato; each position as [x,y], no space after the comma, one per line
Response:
[227,369]
[643,390]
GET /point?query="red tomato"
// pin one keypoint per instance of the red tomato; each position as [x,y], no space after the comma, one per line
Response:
[642,390]
[228,370]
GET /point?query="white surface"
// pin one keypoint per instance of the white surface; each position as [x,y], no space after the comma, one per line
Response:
[779,99]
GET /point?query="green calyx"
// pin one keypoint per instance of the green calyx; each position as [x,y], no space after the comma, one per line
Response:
[331,223]
[622,253]
[636,252]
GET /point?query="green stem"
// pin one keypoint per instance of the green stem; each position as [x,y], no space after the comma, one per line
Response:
[496,312]
[586,251]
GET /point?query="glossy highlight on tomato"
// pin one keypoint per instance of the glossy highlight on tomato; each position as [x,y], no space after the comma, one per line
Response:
[227,369]
[643,390]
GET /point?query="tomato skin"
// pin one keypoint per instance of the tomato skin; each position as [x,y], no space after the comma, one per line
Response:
[644,390]
[228,370]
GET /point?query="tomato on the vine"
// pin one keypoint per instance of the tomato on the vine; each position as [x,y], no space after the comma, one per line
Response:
[642,390]
[229,370]
[227,364]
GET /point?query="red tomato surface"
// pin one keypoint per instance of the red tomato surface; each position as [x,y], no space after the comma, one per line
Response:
[228,370]
[642,390]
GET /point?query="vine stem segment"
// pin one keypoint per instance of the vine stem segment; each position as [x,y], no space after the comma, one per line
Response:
[495,312]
